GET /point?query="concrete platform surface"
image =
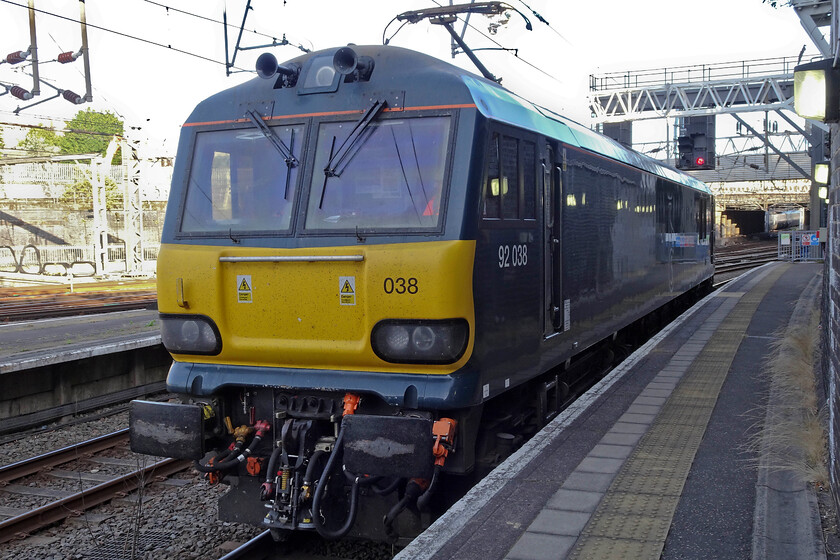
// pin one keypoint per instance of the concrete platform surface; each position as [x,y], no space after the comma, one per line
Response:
[30,344]
[658,460]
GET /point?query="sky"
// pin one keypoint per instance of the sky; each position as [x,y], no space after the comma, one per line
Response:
[154,88]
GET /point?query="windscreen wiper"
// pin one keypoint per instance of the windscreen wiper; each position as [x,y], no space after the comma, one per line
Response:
[285,151]
[291,160]
[337,164]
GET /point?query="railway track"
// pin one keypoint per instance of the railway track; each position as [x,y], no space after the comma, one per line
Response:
[23,521]
[260,547]
[23,304]
[744,256]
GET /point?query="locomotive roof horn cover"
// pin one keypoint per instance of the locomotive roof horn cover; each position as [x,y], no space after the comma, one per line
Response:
[267,67]
[346,61]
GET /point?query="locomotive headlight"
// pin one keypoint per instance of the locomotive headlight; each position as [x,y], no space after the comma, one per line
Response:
[423,338]
[190,334]
[420,341]
[397,337]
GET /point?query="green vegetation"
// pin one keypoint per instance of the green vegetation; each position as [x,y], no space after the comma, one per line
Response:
[81,192]
[89,132]
[39,142]
[103,127]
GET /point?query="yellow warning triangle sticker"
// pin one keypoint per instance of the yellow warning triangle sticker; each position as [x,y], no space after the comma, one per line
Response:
[347,288]
[244,286]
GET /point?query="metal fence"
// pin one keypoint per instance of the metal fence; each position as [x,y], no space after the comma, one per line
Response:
[800,246]
[78,260]
[693,73]
[53,173]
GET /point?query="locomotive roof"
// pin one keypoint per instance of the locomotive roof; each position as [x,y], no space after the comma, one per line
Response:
[497,103]
[428,81]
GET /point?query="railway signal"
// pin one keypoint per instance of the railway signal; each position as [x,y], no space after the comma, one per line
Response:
[696,146]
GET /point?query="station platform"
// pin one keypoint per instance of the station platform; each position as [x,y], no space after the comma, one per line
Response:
[52,368]
[659,459]
[31,344]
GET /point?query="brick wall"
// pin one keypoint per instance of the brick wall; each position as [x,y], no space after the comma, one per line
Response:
[831,315]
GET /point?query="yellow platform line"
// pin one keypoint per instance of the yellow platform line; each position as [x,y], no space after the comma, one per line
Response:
[633,519]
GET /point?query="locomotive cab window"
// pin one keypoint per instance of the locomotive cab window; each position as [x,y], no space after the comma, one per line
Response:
[391,176]
[239,182]
[510,189]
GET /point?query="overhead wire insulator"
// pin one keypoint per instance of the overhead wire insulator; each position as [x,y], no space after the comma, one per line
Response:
[20,93]
[72,97]
[69,56]
[17,57]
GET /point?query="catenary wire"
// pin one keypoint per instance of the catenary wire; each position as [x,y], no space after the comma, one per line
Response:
[120,33]
[537,68]
[205,18]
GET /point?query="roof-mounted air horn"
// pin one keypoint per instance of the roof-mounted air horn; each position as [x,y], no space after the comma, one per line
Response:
[354,68]
[267,68]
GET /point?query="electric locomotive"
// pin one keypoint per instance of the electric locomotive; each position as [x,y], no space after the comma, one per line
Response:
[376,267]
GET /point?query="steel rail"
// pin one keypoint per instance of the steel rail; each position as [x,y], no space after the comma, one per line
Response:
[259,547]
[38,463]
[31,310]
[26,523]
[742,265]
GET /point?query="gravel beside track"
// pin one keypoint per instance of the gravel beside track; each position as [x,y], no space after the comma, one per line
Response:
[174,522]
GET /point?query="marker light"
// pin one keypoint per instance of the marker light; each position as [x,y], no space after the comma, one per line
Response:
[815,91]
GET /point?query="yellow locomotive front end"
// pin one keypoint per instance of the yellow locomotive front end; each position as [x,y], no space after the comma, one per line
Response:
[379,308]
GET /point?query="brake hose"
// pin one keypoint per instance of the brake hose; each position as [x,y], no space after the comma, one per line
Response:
[319,492]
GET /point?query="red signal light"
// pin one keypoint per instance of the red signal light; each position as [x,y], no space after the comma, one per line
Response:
[700,160]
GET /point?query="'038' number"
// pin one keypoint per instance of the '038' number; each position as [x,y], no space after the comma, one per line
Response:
[401,286]
[513,255]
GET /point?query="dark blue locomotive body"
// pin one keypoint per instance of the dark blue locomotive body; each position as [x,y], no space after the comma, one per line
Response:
[528,243]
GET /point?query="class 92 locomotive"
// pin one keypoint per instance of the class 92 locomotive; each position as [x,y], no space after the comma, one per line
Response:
[379,270]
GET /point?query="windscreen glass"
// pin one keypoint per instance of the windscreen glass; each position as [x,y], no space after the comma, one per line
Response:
[240,181]
[391,177]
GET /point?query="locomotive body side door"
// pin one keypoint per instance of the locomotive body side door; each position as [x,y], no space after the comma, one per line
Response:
[552,199]
[508,282]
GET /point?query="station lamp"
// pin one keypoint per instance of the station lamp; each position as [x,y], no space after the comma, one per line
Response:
[816,91]
[821,173]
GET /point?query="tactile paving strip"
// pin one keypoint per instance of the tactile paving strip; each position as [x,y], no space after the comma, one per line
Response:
[633,519]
